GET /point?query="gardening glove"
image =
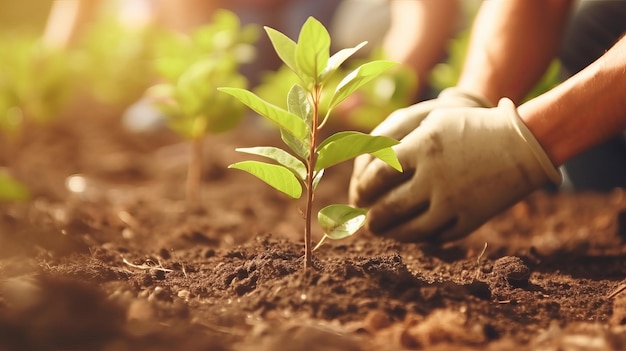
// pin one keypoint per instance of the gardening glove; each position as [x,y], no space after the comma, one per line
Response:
[461,167]
[401,122]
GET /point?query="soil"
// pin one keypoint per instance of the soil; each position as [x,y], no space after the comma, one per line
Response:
[107,256]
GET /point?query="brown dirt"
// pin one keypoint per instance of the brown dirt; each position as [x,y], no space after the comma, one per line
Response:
[125,265]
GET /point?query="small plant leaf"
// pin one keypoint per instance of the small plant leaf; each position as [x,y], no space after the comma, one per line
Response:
[282,157]
[343,146]
[388,155]
[318,176]
[285,119]
[285,47]
[276,176]
[357,78]
[298,146]
[338,58]
[298,104]
[312,49]
[341,221]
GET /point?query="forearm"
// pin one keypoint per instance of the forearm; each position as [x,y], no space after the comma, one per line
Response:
[512,43]
[185,15]
[584,110]
[419,33]
[67,20]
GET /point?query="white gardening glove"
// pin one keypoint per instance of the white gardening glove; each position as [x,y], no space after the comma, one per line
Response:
[401,122]
[461,167]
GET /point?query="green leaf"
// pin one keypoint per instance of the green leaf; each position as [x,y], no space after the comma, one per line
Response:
[285,48]
[338,58]
[388,156]
[12,190]
[278,177]
[312,49]
[285,119]
[343,146]
[298,104]
[298,146]
[336,136]
[282,157]
[357,78]
[317,177]
[341,221]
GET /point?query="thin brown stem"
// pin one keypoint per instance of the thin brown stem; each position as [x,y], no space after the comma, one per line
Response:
[309,181]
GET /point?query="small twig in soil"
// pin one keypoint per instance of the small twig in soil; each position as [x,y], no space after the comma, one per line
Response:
[616,291]
[480,256]
[145,266]
[182,265]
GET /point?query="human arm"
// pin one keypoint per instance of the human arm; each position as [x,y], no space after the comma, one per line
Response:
[67,21]
[511,45]
[418,34]
[185,15]
[583,111]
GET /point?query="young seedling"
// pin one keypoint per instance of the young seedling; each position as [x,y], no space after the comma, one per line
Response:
[300,125]
[194,109]
[192,70]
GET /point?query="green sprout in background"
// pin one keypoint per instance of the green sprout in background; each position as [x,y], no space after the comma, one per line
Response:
[224,38]
[192,68]
[302,121]
[114,61]
[36,83]
[11,189]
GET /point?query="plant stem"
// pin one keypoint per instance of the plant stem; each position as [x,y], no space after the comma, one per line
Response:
[309,181]
[194,173]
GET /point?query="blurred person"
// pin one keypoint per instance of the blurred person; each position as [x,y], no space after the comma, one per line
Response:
[68,20]
[476,149]
[413,33]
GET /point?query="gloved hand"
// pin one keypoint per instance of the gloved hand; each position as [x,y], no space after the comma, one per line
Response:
[461,167]
[401,122]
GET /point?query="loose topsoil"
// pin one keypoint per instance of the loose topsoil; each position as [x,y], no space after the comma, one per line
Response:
[107,256]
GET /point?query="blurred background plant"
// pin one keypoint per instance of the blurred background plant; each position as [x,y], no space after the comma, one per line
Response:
[115,61]
[222,38]
[192,67]
[11,189]
[35,86]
